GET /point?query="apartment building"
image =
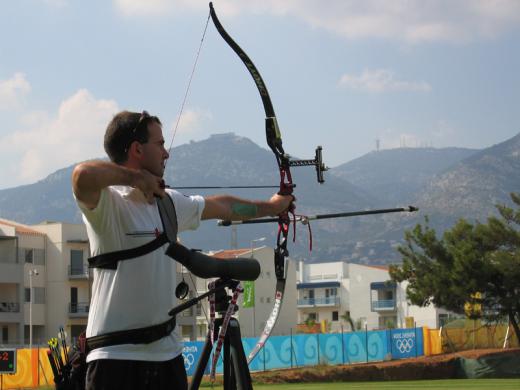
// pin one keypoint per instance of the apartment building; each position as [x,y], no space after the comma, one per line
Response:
[22,264]
[336,291]
[44,281]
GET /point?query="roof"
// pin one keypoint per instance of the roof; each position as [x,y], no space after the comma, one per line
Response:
[317,285]
[20,228]
[383,285]
[230,253]
[381,267]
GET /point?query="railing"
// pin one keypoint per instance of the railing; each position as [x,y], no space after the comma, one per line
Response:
[78,309]
[9,307]
[8,260]
[78,272]
[383,304]
[323,301]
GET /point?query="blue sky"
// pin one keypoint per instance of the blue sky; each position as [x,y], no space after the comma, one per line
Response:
[341,74]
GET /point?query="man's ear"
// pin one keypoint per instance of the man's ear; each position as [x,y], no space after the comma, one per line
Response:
[135,151]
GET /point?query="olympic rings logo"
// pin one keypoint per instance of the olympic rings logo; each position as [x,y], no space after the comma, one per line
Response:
[188,360]
[404,345]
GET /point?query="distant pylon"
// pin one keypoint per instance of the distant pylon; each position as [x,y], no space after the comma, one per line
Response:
[234,240]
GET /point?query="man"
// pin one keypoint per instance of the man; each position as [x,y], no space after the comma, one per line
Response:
[117,198]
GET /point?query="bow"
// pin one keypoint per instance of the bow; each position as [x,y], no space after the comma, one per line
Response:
[274,141]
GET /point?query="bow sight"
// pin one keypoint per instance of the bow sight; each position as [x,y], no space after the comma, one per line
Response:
[317,162]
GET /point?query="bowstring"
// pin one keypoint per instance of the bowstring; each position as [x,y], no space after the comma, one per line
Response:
[188,87]
[175,132]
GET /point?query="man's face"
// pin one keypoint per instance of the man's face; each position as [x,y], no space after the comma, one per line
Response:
[154,154]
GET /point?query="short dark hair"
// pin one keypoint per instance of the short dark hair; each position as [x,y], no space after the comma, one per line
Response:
[125,128]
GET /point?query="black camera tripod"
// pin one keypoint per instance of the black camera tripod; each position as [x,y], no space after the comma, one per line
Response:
[236,370]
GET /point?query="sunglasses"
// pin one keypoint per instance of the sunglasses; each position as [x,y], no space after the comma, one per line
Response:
[142,119]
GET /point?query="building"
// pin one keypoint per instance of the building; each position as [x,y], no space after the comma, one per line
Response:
[345,295]
[49,262]
[44,281]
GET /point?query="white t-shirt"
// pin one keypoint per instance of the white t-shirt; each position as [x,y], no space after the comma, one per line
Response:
[141,291]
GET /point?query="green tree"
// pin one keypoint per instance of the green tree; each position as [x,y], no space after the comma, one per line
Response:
[473,266]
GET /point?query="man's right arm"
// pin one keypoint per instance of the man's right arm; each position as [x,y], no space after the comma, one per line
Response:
[90,177]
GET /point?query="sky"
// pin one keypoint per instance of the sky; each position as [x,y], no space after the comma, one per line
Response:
[341,74]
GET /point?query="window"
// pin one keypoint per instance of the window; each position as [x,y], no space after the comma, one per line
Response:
[39,295]
[313,316]
[38,256]
[331,292]
[76,262]
[311,294]
[335,316]
[28,256]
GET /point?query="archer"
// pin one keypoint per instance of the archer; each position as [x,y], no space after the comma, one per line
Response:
[130,339]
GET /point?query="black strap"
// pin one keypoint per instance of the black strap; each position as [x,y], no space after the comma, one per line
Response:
[109,260]
[131,336]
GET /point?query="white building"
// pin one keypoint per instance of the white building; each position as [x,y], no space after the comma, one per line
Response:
[50,258]
[336,291]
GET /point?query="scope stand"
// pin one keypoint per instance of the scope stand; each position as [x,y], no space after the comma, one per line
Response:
[236,370]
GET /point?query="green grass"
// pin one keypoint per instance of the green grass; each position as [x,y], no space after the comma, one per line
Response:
[459,384]
[444,384]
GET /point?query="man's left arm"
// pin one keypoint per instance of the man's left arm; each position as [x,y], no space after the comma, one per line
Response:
[233,208]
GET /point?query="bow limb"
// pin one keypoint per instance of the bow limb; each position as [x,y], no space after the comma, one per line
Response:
[274,140]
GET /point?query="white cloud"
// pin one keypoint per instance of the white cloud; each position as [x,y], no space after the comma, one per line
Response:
[403,20]
[50,142]
[13,90]
[191,125]
[381,80]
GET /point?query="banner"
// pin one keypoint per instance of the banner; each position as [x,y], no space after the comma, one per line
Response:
[249,294]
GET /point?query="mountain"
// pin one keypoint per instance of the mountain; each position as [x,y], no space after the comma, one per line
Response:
[398,174]
[446,184]
[223,159]
[473,186]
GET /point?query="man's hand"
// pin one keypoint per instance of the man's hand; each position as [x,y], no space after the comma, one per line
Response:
[90,177]
[150,185]
[281,203]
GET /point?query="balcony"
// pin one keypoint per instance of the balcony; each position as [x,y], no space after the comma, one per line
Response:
[78,309]
[78,273]
[323,301]
[383,305]
[9,307]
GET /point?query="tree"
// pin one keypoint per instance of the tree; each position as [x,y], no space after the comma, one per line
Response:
[347,318]
[472,266]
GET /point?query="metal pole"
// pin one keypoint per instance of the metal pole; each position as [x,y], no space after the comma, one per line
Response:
[291,349]
[263,351]
[30,310]
[318,337]
[366,340]
[415,333]
[342,346]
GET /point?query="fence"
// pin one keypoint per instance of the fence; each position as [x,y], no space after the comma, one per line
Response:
[315,349]
[475,335]
[308,349]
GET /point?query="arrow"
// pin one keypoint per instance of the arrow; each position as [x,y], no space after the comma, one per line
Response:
[305,218]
